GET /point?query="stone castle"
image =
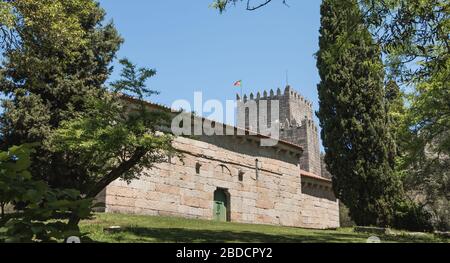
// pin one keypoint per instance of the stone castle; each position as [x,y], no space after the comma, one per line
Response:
[234,178]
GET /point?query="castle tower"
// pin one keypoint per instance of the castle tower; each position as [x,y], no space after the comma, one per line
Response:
[295,118]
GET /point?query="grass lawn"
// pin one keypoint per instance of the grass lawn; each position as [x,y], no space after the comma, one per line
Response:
[135,228]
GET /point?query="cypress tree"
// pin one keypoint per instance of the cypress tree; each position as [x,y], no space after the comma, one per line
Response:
[354,117]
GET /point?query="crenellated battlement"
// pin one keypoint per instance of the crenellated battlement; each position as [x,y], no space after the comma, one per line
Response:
[295,119]
[277,94]
[291,93]
[294,108]
[286,124]
[311,124]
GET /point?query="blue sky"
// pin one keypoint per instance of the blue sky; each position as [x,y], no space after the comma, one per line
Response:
[194,48]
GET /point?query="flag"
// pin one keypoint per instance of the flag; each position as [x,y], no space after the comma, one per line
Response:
[238,83]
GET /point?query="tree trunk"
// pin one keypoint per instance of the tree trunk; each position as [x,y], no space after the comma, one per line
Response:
[116,173]
[2,207]
[74,220]
[124,167]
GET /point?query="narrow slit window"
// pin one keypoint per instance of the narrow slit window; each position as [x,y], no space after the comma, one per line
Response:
[197,168]
[241,176]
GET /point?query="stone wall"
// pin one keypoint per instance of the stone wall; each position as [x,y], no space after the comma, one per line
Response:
[298,108]
[307,137]
[271,194]
[320,208]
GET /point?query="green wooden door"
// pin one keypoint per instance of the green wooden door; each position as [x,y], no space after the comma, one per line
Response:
[220,206]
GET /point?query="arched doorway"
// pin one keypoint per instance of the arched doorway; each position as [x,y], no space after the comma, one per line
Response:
[221,205]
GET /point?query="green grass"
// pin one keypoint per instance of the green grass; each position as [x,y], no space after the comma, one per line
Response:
[136,228]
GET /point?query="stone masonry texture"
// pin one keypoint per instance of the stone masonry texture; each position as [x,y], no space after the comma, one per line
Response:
[279,185]
[274,196]
[296,122]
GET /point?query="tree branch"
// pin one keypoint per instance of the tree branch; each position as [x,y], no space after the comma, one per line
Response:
[257,7]
[117,172]
[261,5]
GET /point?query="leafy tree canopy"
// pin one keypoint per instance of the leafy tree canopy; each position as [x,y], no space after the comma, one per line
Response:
[54,83]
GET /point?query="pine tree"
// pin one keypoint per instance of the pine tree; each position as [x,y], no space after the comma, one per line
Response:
[354,117]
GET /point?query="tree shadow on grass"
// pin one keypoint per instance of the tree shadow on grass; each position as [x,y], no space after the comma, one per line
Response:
[180,235]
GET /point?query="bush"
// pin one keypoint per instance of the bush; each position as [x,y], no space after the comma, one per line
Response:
[41,212]
[412,217]
[439,208]
[46,219]
[344,216]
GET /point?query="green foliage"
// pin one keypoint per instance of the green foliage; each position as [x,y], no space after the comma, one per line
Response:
[50,78]
[41,213]
[426,149]
[44,218]
[353,116]
[395,108]
[54,84]
[112,135]
[58,21]
[133,80]
[6,14]
[220,4]
[410,216]
[113,140]
[344,217]
[414,36]
[14,172]
[50,74]
[7,20]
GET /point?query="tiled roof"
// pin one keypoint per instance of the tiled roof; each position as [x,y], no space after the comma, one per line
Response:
[314,176]
[247,132]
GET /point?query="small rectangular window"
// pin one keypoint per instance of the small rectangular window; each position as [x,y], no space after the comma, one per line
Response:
[197,168]
[241,176]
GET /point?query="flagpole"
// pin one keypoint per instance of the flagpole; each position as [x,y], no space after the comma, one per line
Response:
[241,91]
[239,83]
